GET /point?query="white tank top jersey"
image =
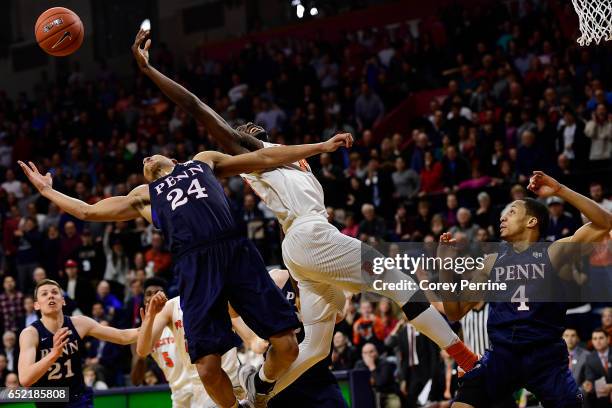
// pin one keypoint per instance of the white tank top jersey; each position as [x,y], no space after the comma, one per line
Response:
[170,351]
[289,191]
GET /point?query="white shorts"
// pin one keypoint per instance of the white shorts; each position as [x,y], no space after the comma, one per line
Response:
[326,262]
[193,394]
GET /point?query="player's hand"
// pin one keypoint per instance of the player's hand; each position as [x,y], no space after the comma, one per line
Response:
[156,304]
[338,141]
[42,183]
[447,238]
[60,339]
[259,346]
[142,54]
[543,185]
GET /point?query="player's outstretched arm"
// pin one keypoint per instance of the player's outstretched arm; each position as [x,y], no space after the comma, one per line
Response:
[230,139]
[158,315]
[120,208]
[89,327]
[31,370]
[264,159]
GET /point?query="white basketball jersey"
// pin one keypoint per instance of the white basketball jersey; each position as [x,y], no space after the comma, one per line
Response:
[289,191]
[170,352]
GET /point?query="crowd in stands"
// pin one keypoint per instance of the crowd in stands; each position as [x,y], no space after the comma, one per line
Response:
[521,96]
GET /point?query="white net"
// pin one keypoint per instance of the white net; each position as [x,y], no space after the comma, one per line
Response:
[595,17]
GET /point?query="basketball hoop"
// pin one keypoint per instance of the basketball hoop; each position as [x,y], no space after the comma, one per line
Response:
[595,17]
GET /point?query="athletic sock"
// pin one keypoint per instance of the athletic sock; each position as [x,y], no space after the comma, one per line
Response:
[464,357]
[263,385]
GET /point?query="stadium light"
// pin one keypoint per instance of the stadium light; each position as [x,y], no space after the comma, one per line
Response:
[314,11]
[300,11]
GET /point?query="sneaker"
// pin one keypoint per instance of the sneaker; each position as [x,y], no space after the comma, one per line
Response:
[246,377]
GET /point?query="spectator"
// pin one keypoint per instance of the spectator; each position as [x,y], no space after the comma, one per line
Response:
[50,256]
[455,169]
[606,322]
[387,317]
[368,328]
[77,288]
[109,301]
[117,264]
[3,368]
[11,184]
[464,224]
[159,256]
[343,353]
[372,226]
[10,349]
[577,354]
[28,241]
[570,138]
[599,130]
[90,256]
[596,192]
[30,314]
[382,376]
[11,305]
[379,185]
[38,275]
[332,179]
[351,228]
[69,243]
[528,156]
[560,224]
[369,108]
[135,302]
[431,175]
[89,376]
[598,365]
[406,181]
[12,381]
[485,217]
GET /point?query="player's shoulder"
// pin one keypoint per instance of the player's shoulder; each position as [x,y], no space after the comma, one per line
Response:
[207,156]
[141,191]
[28,336]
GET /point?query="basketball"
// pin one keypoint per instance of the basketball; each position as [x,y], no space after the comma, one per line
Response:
[59,31]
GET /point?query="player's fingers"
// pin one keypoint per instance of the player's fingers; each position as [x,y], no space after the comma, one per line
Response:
[34,168]
[147,45]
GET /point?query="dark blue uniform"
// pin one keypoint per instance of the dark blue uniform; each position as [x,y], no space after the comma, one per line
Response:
[66,371]
[215,265]
[527,350]
[317,387]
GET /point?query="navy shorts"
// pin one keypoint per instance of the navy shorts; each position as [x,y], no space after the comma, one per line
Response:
[309,396]
[229,270]
[503,370]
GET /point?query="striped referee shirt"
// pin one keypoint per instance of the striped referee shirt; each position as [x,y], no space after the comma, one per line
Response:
[474,325]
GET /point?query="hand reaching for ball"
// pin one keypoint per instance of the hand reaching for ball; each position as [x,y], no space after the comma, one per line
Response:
[141,53]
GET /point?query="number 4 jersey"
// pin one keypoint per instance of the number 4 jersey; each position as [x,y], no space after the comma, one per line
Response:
[529,275]
[190,207]
[66,371]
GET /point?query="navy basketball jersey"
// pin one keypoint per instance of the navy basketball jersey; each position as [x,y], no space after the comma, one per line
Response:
[520,321]
[190,206]
[67,370]
[318,373]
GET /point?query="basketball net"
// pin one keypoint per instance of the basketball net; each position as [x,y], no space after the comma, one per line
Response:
[595,18]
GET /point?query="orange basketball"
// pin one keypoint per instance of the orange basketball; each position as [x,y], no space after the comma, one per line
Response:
[59,31]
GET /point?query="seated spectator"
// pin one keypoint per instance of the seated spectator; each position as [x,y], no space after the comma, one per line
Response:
[90,378]
[372,226]
[4,371]
[11,305]
[368,328]
[12,382]
[10,349]
[485,217]
[30,314]
[384,310]
[464,224]
[382,376]
[577,354]
[560,224]
[455,169]
[159,256]
[450,213]
[343,353]
[369,108]
[331,218]
[351,228]
[403,224]
[598,365]
[79,289]
[405,180]
[431,175]
[109,301]
[117,263]
[150,378]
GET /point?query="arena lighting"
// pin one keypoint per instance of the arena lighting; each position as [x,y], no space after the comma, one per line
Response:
[314,11]
[300,11]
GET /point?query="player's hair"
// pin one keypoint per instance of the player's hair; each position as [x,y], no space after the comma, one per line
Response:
[536,209]
[600,330]
[155,281]
[45,282]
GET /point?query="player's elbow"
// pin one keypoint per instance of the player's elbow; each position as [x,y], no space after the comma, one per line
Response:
[24,379]
[85,212]
[142,351]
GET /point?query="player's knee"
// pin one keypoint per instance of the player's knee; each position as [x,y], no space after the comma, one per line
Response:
[209,371]
[286,345]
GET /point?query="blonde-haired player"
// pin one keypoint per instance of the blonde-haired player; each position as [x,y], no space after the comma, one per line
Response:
[324,261]
[162,336]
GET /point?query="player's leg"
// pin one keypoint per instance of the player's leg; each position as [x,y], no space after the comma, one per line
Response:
[320,303]
[326,255]
[265,310]
[215,380]
[550,378]
[208,327]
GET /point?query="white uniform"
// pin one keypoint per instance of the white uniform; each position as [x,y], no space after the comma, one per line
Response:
[324,261]
[170,354]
